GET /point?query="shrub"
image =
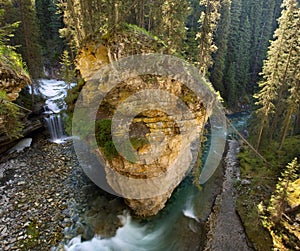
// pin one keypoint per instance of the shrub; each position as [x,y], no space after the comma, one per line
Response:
[104,138]
[10,122]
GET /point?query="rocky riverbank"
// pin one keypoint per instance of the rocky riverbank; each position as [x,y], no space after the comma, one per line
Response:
[226,231]
[46,200]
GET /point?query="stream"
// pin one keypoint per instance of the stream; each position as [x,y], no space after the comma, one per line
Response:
[99,221]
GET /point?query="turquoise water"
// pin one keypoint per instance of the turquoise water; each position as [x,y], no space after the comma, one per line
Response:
[179,226]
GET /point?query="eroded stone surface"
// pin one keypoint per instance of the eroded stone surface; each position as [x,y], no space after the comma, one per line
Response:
[174,134]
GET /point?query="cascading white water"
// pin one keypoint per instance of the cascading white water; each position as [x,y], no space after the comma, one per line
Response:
[131,236]
[54,92]
[55,126]
[189,210]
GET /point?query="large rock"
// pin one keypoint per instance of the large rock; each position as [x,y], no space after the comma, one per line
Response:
[12,82]
[170,136]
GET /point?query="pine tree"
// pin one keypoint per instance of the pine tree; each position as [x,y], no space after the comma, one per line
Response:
[278,200]
[229,79]
[173,26]
[292,75]
[279,68]
[208,23]
[66,70]
[192,29]
[6,30]
[262,18]
[30,49]
[243,63]
[221,43]
[49,24]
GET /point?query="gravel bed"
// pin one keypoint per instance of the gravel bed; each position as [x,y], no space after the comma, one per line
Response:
[46,200]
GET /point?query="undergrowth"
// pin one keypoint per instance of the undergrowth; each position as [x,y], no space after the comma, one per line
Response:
[263,177]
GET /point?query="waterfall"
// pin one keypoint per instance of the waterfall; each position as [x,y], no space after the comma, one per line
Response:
[55,126]
[54,92]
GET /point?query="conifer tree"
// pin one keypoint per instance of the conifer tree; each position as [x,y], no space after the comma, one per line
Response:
[29,40]
[243,63]
[49,24]
[262,16]
[279,71]
[278,200]
[292,75]
[66,68]
[229,79]
[221,43]
[6,30]
[208,23]
[173,26]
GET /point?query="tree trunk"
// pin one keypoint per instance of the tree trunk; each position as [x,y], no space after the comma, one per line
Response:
[286,127]
[297,124]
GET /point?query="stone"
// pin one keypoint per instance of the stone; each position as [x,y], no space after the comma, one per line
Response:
[246,182]
[165,134]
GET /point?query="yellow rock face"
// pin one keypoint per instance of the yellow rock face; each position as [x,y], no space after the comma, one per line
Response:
[156,127]
[12,82]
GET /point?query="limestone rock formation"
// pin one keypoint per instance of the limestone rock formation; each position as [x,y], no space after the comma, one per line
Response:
[12,82]
[148,128]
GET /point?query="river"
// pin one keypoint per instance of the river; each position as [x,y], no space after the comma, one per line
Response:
[181,225]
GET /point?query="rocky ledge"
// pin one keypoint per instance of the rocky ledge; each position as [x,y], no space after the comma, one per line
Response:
[12,82]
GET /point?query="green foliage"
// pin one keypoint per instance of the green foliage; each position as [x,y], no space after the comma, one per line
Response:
[221,41]
[110,150]
[67,120]
[104,138]
[208,24]
[10,122]
[6,30]
[27,36]
[278,200]
[49,22]
[271,215]
[66,69]
[279,93]
[251,25]
[8,56]
[13,60]
[103,131]
[172,28]
[164,18]
[73,94]
[253,198]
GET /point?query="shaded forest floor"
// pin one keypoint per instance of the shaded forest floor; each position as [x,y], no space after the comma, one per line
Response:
[260,182]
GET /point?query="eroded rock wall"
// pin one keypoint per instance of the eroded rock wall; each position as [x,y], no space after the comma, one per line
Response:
[170,136]
[12,82]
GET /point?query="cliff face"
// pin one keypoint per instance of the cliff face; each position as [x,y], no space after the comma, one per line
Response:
[157,137]
[12,82]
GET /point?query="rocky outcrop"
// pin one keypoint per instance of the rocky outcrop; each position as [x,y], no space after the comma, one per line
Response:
[12,82]
[158,138]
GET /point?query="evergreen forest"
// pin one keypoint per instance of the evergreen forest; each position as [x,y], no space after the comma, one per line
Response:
[248,53]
